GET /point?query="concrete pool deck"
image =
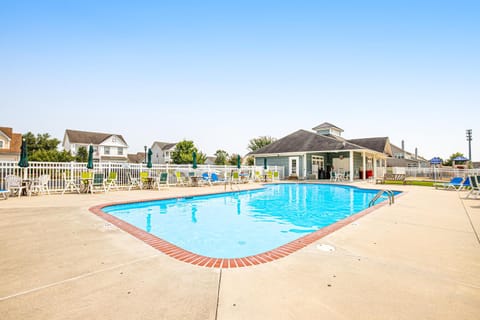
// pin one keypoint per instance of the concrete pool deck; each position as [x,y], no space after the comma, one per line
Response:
[416,259]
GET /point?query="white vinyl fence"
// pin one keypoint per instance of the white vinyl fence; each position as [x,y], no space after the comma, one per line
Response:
[439,173]
[58,171]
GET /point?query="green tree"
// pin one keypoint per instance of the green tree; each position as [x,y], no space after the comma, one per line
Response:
[260,142]
[233,159]
[221,157]
[250,161]
[44,148]
[449,161]
[183,153]
[82,155]
[41,142]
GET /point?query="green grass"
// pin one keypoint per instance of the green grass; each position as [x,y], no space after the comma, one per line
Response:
[412,183]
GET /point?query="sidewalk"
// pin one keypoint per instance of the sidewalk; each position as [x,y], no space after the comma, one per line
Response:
[416,259]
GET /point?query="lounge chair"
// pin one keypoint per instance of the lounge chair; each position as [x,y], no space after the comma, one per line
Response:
[206,178]
[475,185]
[215,179]
[86,181]
[455,183]
[162,180]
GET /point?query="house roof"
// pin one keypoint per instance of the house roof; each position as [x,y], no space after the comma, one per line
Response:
[326,125]
[86,137]
[164,145]
[15,140]
[139,157]
[379,144]
[306,141]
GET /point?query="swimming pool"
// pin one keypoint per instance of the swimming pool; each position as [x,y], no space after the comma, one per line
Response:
[246,223]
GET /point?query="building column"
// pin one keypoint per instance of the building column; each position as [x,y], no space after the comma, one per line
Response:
[305,166]
[351,166]
[364,166]
[374,168]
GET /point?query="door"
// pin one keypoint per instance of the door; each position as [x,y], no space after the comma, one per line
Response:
[293,166]
[317,165]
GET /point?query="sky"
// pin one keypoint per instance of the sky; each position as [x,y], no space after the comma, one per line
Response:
[220,73]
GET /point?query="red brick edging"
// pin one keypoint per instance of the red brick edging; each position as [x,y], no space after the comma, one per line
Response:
[203,261]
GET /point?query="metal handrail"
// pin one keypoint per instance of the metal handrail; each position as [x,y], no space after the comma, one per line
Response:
[390,195]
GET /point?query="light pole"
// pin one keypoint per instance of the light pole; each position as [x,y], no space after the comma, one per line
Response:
[469,139]
[145,147]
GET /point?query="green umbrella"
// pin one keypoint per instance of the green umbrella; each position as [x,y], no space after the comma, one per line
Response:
[238,162]
[149,158]
[265,163]
[194,156]
[90,157]
[23,163]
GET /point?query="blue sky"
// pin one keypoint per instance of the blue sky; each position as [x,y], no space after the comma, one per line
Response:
[221,72]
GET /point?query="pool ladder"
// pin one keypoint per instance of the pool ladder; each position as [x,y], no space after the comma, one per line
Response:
[390,194]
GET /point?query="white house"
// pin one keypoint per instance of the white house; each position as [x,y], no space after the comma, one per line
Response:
[106,146]
[162,152]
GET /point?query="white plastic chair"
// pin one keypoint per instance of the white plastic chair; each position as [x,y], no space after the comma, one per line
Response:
[14,184]
[40,185]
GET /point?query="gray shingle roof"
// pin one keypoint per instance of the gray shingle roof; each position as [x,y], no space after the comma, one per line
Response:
[164,145]
[326,125]
[306,141]
[86,137]
[378,144]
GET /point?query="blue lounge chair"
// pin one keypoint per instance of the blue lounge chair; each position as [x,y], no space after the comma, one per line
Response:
[475,187]
[455,184]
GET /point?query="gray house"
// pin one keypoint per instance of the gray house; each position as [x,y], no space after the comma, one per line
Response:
[305,154]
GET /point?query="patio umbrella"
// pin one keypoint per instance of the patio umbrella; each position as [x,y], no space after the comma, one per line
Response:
[194,156]
[149,158]
[90,157]
[460,158]
[23,163]
[265,163]
[238,162]
[435,160]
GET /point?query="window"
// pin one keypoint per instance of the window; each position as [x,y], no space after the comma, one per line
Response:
[120,151]
[1,144]
[106,150]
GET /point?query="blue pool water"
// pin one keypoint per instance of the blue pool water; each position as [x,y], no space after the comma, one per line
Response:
[244,223]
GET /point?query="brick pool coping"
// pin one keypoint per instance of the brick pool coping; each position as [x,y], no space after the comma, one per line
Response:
[209,262]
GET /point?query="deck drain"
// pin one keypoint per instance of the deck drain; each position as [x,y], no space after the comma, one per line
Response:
[325,247]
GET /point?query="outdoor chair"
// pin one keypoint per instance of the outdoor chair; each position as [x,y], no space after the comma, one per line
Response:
[276,175]
[215,179]
[258,176]
[235,177]
[112,180]
[180,179]
[14,185]
[98,182]
[40,185]
[162,181]
[455,183]
[475,187]
[86,181]
[144,178]
[134,182]
[70,183]
[206,178]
